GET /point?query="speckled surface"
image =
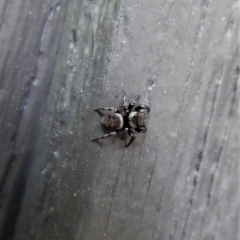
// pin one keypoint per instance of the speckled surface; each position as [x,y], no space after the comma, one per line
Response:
[60,60]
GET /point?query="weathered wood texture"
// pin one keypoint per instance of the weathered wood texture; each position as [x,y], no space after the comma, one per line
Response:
[60,60]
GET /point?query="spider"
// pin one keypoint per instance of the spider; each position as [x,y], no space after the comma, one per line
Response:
[129,118]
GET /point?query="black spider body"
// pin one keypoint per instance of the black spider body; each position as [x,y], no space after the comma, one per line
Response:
[129,118]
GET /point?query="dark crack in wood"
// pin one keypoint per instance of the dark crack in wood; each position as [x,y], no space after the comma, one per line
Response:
[198,164]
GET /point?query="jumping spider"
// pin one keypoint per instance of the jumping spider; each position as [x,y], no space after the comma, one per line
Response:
[129,118]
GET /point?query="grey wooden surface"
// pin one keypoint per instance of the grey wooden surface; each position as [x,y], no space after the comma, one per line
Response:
[60,60]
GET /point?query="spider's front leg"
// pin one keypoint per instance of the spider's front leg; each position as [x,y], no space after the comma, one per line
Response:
[132,104]
[131,134]
[104,136]
[125,105]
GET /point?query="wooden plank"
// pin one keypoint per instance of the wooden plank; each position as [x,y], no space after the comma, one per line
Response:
[60,60]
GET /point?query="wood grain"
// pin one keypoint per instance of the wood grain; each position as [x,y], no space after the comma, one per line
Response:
[60,60]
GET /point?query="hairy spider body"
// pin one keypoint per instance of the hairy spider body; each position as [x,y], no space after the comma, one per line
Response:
[113,120]
[129,118]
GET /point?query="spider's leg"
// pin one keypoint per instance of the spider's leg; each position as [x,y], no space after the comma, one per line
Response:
[110,109]
[131,139]
[125,131]
[141,129]
[142,107]
[132,104]
[125,105]
[104,136]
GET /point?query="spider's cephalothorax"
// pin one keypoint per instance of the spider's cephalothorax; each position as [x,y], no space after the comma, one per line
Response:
[129,118]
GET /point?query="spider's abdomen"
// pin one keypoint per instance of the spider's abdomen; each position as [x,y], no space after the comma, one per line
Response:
[114,121]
